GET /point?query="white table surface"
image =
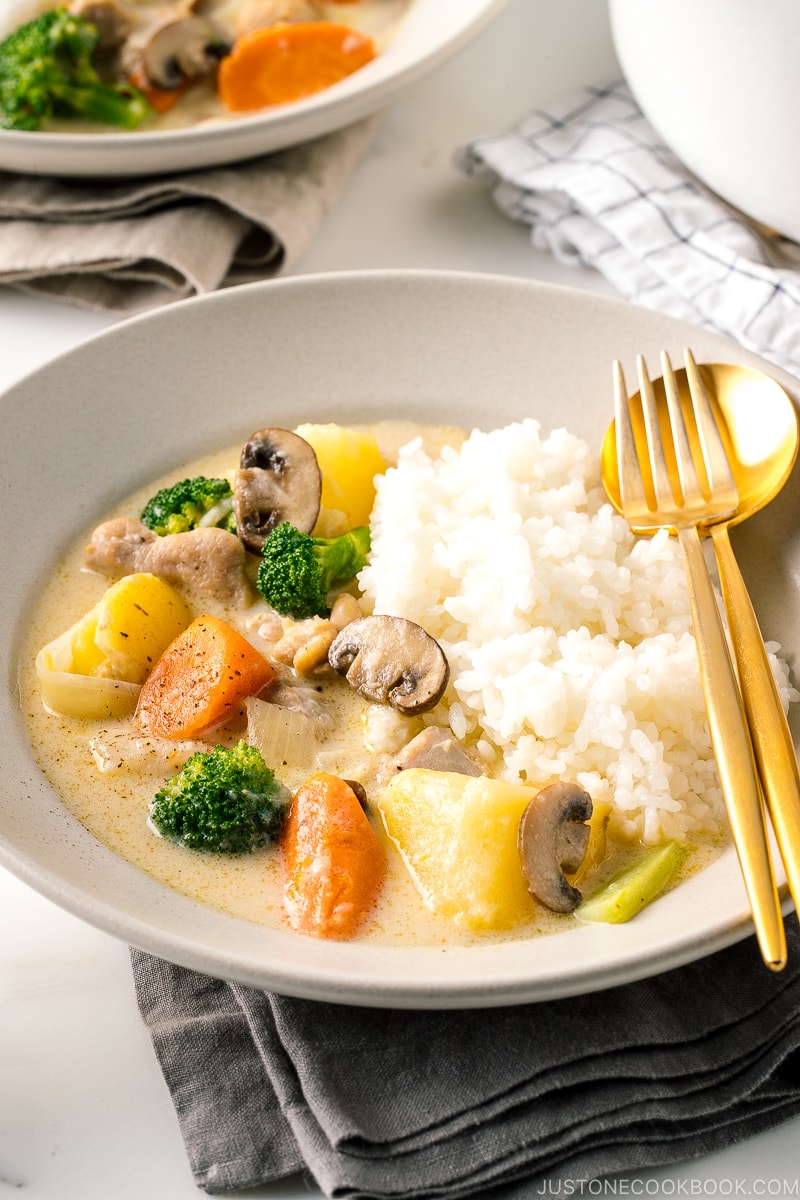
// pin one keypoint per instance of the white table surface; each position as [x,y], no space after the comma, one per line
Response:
[84,1111]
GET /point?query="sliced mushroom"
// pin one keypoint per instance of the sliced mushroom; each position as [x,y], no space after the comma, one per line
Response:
[178,51]
[392,661]
[553,837]
[360,793]
[279,480]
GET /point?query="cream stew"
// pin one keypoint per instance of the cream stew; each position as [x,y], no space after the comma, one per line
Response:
[107,771]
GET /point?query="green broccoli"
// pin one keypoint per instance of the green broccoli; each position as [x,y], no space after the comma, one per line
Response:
[46,68]
[189,503]
[297,570]
[226,801]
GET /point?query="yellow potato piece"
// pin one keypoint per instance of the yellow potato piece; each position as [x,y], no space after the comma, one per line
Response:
[458,837]
[349,460]
[96,667]
[82,654]
[137,619]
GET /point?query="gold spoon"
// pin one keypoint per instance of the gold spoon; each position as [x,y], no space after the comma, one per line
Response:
[760,428]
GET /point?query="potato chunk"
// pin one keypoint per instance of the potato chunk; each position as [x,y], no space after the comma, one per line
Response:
[137,619]
[349,460]
[95,668]
[458,837]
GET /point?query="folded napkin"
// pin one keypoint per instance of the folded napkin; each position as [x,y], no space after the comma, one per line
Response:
[599,188]
[127,245]
[498,1103]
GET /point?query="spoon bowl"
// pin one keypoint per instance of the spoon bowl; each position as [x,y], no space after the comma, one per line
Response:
[759,425]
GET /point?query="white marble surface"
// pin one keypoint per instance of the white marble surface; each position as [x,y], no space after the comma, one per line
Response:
[84,1112]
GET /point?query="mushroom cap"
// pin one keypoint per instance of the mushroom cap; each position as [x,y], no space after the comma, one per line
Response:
[391,661]
[188,48]
[278,480]
[552,840]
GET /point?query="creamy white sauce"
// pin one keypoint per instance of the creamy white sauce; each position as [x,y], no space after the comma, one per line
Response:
[113,805]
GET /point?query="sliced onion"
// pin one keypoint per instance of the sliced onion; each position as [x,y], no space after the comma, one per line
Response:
[89,696]
[285,736]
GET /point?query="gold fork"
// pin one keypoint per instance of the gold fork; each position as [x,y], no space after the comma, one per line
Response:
[660,486]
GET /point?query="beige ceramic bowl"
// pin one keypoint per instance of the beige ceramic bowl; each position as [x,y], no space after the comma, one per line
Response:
[719,81]
[458,348]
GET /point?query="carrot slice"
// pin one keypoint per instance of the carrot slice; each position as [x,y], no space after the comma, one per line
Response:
[282,63]
[200,680]
[334,863]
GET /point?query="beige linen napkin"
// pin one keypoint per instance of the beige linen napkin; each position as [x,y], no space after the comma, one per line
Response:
[127,245]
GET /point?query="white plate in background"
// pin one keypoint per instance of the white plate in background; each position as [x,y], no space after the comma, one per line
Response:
[429,34]
[133,402]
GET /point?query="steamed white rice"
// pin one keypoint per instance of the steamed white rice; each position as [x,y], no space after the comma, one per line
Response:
[570,640]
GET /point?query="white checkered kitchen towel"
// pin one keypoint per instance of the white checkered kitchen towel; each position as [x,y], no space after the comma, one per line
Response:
[600,189]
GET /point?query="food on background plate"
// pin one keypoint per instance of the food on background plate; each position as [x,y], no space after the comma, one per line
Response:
[488,725]
[101,65]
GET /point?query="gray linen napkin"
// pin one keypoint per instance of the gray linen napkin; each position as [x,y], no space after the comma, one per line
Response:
[128,245]
[388,1103]
[598,188]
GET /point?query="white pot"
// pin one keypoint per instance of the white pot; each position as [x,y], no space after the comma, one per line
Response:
[720,82]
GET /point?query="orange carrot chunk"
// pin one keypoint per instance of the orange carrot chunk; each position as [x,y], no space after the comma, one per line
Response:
[333,861]
[200,680]
[287,62]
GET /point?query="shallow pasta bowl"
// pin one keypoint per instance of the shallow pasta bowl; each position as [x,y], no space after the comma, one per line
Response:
[428,35]
[133,402]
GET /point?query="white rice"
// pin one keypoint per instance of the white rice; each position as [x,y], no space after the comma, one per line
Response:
[570,640]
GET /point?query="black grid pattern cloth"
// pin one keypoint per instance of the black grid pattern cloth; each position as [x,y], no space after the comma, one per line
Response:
[600,189]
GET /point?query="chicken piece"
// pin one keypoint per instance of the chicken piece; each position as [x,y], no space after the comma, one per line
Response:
[345,609]
[265,624]
[436,749]
[258,14]
[208,561]
[118,750]
[298,699]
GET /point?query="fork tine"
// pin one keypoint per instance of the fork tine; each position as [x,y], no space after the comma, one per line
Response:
[655,444]
[715,456]
[684,459]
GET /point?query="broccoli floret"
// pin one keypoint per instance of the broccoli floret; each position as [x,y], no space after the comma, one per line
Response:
[297,570]
[46,68]
[190,503]
[226,801]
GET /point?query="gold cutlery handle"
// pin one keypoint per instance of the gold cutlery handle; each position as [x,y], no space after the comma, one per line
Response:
[734,754]
[769,729]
